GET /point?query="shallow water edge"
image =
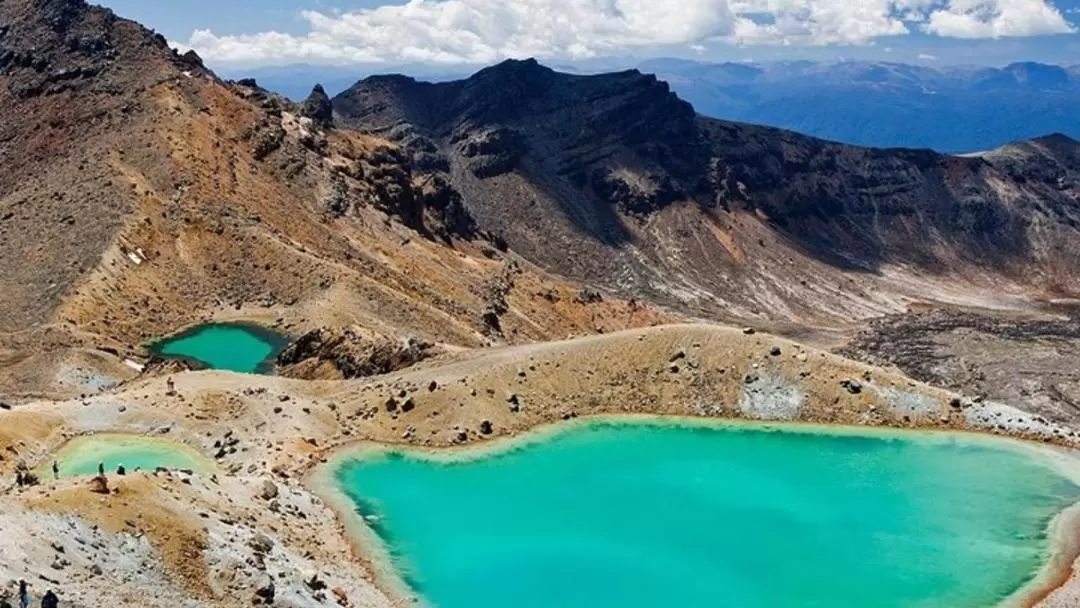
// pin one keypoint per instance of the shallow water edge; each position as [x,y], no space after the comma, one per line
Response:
[1063,532]
[88,450]
[277,342]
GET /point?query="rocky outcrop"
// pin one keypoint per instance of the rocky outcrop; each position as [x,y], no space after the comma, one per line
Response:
[425,201]
[635,194]
[491,152]
[318,108]
[349,353]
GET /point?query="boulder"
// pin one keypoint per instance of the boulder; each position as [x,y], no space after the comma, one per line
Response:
[853,386]
[315,583]
[261,543]
[589,295]
[265,594]
[99,485]
[268,490]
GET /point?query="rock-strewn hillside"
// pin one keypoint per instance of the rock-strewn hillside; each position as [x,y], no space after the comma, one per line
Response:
[612,178]
[139,194]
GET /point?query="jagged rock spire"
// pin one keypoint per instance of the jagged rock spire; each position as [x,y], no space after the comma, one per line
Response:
[318,107]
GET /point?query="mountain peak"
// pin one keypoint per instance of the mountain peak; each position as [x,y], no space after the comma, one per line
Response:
[516,65]
[514,72]
[1057,139]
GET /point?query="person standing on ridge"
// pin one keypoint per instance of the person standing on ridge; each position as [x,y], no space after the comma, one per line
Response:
[50,600]
[24,595]
[55,470]
[101,469]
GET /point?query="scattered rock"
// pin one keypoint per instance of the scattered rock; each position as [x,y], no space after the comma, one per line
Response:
[485,427]
[269,490]
[853,386]
[315,583]
[589,295]
[261,543]
[265,594]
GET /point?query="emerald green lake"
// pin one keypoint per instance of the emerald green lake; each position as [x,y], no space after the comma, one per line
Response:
[238,347]
[642,515]
[82,455]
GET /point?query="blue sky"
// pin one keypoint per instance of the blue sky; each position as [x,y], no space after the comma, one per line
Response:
[446,32]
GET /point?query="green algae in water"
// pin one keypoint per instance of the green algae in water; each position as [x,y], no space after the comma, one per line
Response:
[642,515]
[82,455]
[238,347]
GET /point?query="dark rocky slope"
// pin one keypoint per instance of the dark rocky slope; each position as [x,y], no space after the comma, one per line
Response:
[613,179]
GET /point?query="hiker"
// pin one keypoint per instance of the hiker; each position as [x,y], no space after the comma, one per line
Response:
[50,600]
[101,469]
[120,470]
[24,595]
[55,470]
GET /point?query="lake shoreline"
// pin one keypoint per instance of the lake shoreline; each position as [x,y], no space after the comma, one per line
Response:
[276,342]
[94,447]
[1063,531]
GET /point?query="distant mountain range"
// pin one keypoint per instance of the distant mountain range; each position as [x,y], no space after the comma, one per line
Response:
[948,109]
[954,109]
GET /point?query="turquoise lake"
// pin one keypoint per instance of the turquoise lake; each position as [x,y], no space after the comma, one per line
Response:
[635,515]
[238,347]
[82,455]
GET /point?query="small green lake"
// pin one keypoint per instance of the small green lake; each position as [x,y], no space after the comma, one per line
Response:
[636,515]
[82,455]
[238,347]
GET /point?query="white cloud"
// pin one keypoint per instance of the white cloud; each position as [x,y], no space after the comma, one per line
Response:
[927,57]
[996,19]
[481,31]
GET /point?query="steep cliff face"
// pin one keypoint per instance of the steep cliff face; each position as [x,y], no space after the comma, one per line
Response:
[613,179]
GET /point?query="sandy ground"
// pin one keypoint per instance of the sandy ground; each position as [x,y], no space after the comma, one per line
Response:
[173,539]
